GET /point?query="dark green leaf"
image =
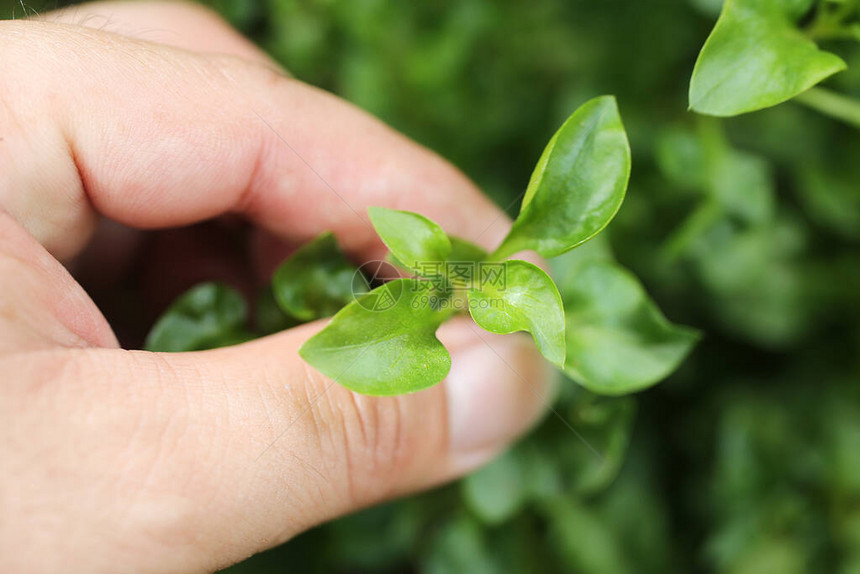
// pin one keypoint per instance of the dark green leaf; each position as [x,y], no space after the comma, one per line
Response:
[757,286]
[317,280]
[743,184]
[525,299]
[459,545]
[375,539]
[606,423]
[617,340]
[497,491]
[756,57]
[578,184]
[586,542]
[832,198]
[680,157]
[384,343]
[269,317]
[207,316]
[740,182]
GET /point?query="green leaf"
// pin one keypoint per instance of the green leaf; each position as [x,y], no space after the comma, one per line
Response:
[383,343]
[458,545]
[606,423]
[553,466]
[578,183]
[565,267]
[463,267]
[207,316]
[410,237]
[269,317]
[743,184]
[459,267]
[375,538]
[617,340]
[523,299]
[497,491]
[738,186]
[756,57]
[586,542]
[680,157]
[757,284]
[317,280]
[831,197]
[462,250]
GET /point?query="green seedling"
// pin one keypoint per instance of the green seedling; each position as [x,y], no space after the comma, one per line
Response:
[600,328]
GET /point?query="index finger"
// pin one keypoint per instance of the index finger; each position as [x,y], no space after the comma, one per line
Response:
[155,136]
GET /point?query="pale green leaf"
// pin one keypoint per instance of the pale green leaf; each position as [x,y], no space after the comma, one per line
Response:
[578,184]
[411,238]
[383,343]
[523,299]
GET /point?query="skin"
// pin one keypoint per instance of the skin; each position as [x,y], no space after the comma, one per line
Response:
[120,125]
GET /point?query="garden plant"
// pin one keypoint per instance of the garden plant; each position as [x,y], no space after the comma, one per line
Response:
[607,335]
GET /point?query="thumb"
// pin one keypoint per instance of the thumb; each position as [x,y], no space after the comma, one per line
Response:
[197,460]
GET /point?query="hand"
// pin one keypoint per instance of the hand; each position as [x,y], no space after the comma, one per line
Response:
[157,116]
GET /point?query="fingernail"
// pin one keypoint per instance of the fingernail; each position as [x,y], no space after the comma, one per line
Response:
[498,387]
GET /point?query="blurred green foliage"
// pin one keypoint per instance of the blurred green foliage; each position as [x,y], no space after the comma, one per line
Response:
[745,461]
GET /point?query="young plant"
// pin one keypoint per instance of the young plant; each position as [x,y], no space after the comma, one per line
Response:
[384,342]
[601,329]
[761,54]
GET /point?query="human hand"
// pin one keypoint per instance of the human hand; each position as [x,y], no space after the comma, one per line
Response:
[158,116]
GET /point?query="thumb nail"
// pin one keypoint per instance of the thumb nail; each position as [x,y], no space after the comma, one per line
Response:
[498,387]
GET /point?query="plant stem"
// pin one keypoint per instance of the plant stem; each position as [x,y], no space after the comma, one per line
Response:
[834,23]
[834,33]
[837,106]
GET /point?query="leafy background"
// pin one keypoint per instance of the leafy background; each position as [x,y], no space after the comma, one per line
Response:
[746,460]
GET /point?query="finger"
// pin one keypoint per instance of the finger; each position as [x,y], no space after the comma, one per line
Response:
[152,137]
[41,306]
[184,138]
[230,451]
[180,24]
